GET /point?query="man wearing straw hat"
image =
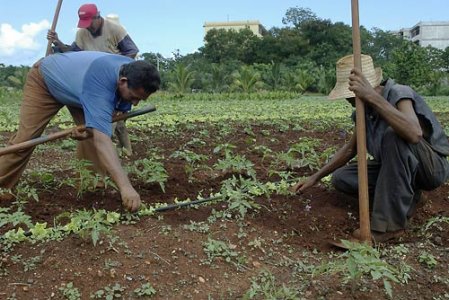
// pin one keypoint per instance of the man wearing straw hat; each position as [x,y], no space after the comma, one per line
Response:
[405,139]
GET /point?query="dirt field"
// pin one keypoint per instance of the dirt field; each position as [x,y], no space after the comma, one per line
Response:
[274,252]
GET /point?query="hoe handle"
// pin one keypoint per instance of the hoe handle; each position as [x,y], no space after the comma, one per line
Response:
[66,132]
[53,25]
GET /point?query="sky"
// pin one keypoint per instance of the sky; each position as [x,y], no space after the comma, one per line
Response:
[166,26]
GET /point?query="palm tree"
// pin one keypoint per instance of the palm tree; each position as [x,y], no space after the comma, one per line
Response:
[183,79]
[246,79]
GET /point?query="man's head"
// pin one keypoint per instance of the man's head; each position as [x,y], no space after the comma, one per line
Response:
[344,67]
[137,81]
[88,14]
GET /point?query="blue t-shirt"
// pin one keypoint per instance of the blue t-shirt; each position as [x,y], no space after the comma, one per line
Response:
[88,80]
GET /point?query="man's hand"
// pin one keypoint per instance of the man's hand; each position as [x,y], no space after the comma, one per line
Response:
[303,185]
[80,134]
[130,199]
[359,85]
[53,37]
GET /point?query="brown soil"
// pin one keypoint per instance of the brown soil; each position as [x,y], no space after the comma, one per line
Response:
[284,238]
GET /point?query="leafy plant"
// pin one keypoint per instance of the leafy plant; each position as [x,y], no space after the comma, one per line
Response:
[264,286]
[427,259]
[214,248]
[15,218]
[70,292]
[150,170]
[236,164]
[87,179]
[362,259]
[192,159]
[109,292]
[94,223]
[146,290]
[237,192]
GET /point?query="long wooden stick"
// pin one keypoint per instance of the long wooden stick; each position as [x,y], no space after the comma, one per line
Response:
[66,132]
[53,25]
[365,230]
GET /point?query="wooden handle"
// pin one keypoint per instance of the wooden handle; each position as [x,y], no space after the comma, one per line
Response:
[365,230]
[66,132]
[53,25]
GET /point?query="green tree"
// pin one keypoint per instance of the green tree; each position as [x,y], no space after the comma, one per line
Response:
[410,65]
[297,16]
[246,79]
[182,79]
[223,45]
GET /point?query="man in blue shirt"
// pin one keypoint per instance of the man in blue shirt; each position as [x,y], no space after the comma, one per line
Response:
[93,85]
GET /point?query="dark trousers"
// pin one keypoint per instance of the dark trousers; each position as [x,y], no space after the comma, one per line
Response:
[404,170]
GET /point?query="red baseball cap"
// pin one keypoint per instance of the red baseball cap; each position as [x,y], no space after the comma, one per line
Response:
[86,13]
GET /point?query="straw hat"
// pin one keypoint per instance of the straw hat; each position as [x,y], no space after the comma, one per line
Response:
[344,67]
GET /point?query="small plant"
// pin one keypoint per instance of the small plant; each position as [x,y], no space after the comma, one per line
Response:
[237,193]
[87,179]
[264,287]
[146,290]
[192,159]
[23,193]
[110,292]
[236,164]
[200,227]
[43,177]
[94,223]
[15,218]
[436,223]
[150,170]
[427,259]
[215,249]
[31,263]
[70,292]
[362,259]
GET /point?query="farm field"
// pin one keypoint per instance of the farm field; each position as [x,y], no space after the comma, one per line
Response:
[63,237]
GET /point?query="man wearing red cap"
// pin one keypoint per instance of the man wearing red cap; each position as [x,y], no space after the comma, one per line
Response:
[99,34]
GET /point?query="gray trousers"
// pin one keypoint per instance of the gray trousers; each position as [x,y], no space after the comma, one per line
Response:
[396,181]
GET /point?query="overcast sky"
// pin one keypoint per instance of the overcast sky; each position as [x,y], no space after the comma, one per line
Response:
[167,25]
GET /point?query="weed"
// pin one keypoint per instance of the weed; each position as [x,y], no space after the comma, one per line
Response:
[15,218]
[145,290]
[427,259]
[31,263]
[264,286]
[109,292]
[70,292]
[215,249]
[200,227]
[362,259]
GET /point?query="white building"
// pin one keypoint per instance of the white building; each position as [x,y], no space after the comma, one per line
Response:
[435,34]
[253,25]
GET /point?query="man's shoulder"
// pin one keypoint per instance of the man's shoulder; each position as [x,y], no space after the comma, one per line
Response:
[113,26]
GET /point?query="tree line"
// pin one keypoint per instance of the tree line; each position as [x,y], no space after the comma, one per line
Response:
[298,57]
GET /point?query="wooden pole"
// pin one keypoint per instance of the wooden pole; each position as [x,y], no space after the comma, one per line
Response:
[365,230]
[53,25]
[66,132]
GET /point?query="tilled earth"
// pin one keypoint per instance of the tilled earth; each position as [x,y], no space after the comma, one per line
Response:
[279,247]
